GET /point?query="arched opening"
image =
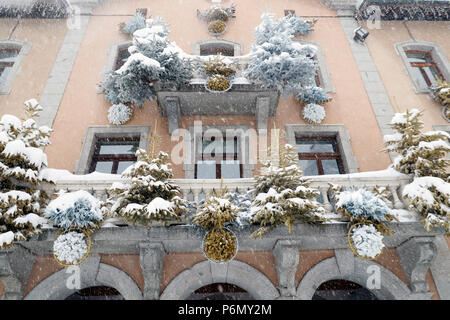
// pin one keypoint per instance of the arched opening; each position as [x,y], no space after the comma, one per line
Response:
[342,290]
[220,291]
[96,293]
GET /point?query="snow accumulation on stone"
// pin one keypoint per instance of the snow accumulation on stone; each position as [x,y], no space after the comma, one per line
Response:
[6,238]
[31,218]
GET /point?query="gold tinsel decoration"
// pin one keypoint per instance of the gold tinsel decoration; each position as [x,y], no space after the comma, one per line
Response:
[216,26]
[218,82]
[220,245]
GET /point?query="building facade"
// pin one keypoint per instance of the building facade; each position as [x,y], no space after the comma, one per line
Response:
[61,58]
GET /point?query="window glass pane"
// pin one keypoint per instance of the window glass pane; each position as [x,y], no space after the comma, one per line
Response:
[104,166]
[206,169]
[230,169]
[209,147]
[432,74]
[309,167]
[418,76]
[118,148]
[8,55]
[418,57]
[4,74]
[123,165]
[311,146]
[230,146]
[330,166]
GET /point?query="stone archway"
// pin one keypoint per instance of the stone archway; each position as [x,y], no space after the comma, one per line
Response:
[347,267]
[92,273]
[234,272]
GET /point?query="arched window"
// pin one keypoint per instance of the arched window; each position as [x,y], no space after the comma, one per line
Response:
[424,62]
[220,291]
[12,53]
[342,290]
[96,293]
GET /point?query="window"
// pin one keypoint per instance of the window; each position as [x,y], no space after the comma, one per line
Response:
[319,155]
[218,158]
[322,149]
[7,57]
[12,52]
[122,56]
[425,70]
[423,61]
[214,152]
[114,155]
[289,12]
[111,149]
[216,46]
[322,78]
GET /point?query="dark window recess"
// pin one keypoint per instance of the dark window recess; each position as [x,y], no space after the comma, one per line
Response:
[424,68]
[7,59]
[216,48]
[289,12]
[217,159]
[122,57]
[114,155]
[96,293]
[220,291]
[319,155]
[342,290]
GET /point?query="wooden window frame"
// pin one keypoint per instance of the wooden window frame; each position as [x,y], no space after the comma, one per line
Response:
[420,65]
[319,156]
[115,158]
[200,156]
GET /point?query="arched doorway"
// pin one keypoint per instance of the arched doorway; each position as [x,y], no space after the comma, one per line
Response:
[220,291]
[96,293]
[342,290]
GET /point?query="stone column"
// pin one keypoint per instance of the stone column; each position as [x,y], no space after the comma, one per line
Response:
[151,259]
[286,253]
[416,256]
[13,287]
[173,112]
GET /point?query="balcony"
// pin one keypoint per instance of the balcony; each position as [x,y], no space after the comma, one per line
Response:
[243,98]
[184,237]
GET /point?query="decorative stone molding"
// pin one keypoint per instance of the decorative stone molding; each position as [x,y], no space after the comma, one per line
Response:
[416,256]
[194,99]
[207,272]
[151,259]
[113,55]
[13,286]
[93,273]
[391,287]
[24,47]
[286,253]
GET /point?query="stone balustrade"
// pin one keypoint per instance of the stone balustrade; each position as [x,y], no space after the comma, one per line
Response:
[196,189]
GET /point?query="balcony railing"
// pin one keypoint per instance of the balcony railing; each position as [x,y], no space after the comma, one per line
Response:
[196,189]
